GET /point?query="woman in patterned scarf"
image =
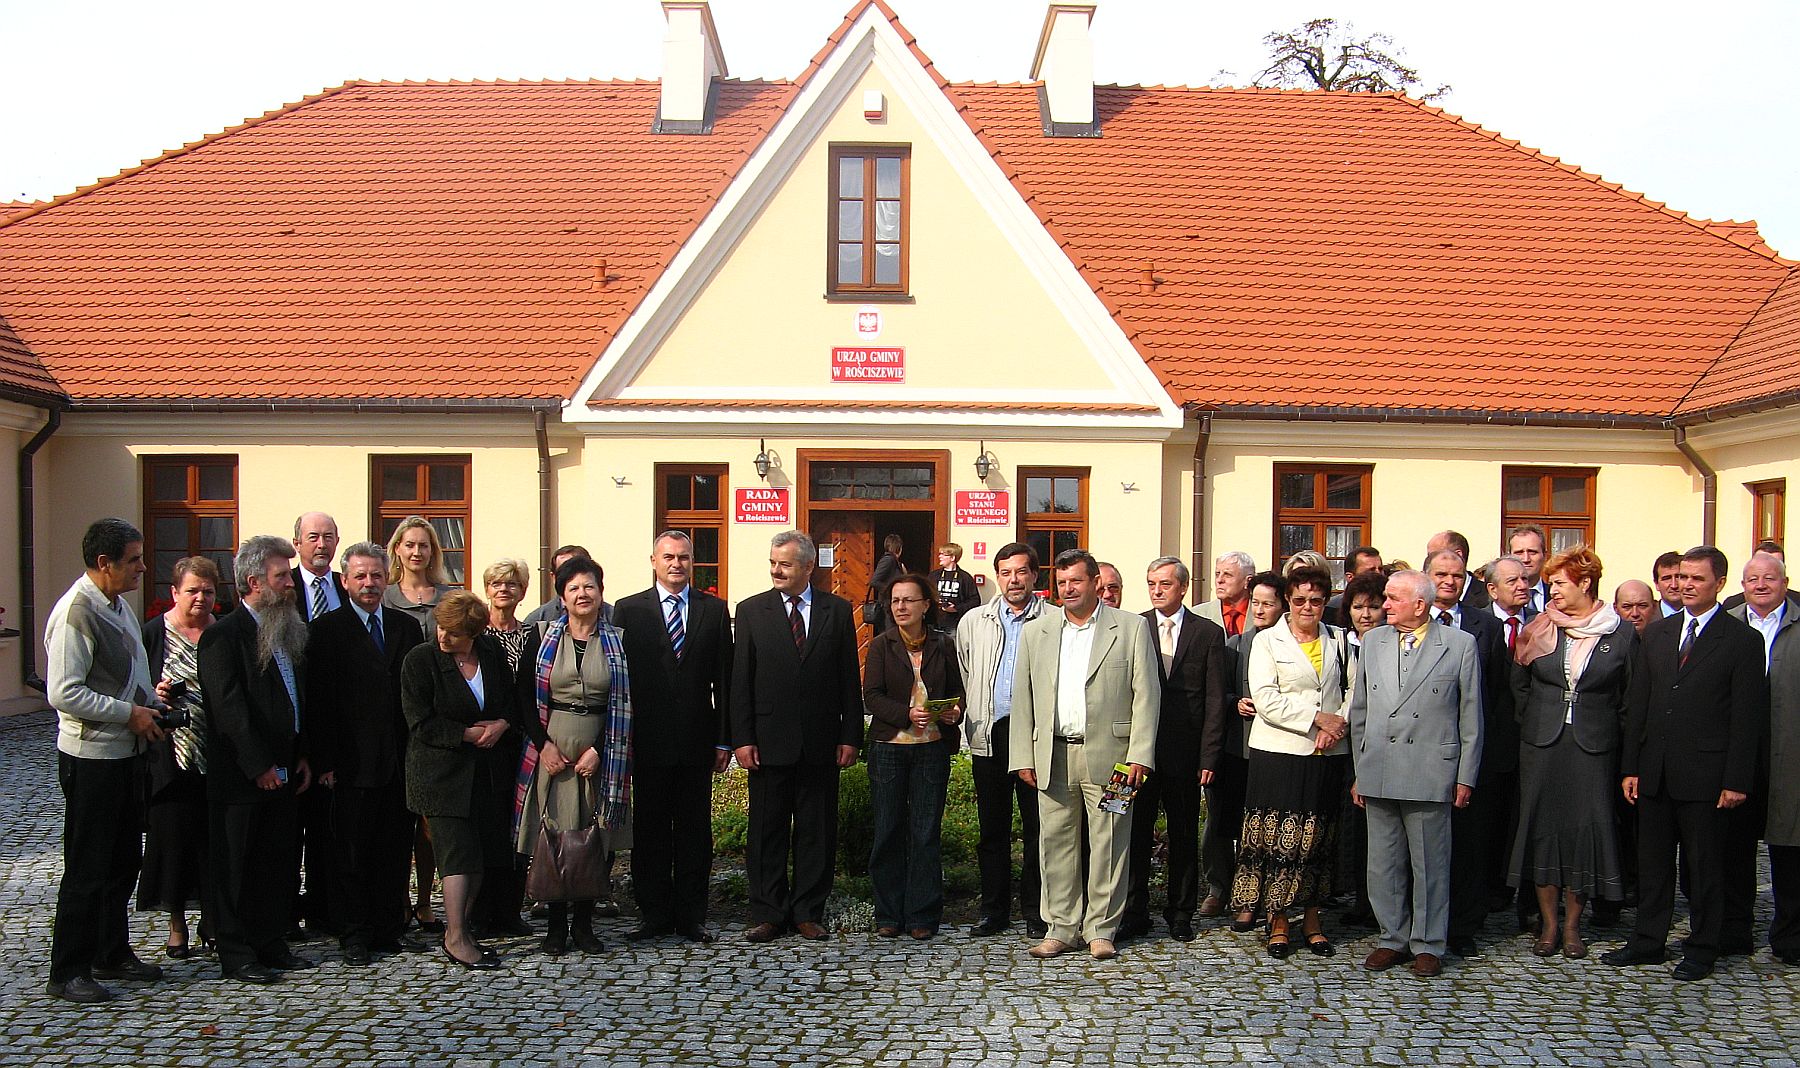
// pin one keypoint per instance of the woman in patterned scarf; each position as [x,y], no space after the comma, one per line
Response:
[576,770]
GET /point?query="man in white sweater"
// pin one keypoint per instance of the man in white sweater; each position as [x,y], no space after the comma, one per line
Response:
[99,683]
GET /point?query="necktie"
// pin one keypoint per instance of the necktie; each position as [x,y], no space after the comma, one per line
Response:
[1444,618]
[677,635]
[1168,644]
[375,631]
[1407,641]
[796,622]
[319,607]
[1234,621]
[1512,632]
[1687,641]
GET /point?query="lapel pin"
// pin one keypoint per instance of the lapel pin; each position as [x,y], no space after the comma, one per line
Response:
[1605,647]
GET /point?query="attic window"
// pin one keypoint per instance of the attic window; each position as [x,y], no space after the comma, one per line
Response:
[868,220]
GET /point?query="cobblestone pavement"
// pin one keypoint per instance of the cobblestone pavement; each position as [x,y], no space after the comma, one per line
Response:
[955,1001]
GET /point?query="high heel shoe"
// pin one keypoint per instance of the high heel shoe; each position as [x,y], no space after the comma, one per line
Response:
[1319,945]
[1243,921]
[487,962]
[1279,946]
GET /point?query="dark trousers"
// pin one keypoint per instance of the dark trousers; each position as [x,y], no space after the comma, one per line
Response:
[1476,831]
[251,863]
[671,845]
[1697,828]
[103,846]
[1353,853]
[795,807]
[502,894]
[1743,839]
[315,849]
[1784,929]
[906,861]
[1177,792]
[372,832]
[1224,821]
[997,792]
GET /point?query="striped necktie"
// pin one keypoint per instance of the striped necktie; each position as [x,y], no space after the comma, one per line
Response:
[677,634]
[1687,643]
[797,622]
[319,607]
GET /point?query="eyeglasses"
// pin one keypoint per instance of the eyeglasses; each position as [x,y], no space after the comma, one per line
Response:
[907,600]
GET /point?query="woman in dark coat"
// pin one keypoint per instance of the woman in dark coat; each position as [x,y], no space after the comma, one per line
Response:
[460,703]
[1567,845]
[173,879]
[909,759]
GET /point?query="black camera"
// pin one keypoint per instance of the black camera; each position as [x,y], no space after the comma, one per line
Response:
[175,713]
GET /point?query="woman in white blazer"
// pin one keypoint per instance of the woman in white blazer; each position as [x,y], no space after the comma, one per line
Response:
[1298,753]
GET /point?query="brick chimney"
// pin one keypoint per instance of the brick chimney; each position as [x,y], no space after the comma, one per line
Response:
[1065,64]
[692,65]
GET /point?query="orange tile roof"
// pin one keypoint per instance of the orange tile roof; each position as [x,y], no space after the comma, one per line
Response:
[1351,250]
[1759,363]
[1322,251]
[22,376]
[424,240]
[860,405]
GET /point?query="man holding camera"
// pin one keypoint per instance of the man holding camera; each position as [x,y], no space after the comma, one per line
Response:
[98,680]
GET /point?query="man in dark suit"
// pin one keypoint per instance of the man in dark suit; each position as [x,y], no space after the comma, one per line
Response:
[1767,606]
[1479,842]
[250,682]
[1530,543]
[678,650]
[318,590]
[1189,738]
[1698,709]
[796,719]
[356,745]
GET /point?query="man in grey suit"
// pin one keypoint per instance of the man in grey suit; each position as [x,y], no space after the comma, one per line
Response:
[1415,729]
[1086,696]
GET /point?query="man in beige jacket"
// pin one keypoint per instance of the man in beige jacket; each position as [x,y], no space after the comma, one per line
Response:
[1086,696]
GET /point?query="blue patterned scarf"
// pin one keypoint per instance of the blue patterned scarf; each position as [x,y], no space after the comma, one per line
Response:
[613,782]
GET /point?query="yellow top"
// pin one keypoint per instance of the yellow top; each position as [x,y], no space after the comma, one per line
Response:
[1315,651]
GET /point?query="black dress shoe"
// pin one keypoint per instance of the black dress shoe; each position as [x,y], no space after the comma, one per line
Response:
[253,973]
[129,968]
[81,990]
[698,932]
[1036,929]
[1627,957]
[988,927]
[290,962]
[1462,947]
[556,943]
[358,957]
[1181,929]
[643,932]
[1131,929]
[487,962]
[1690,969]
[179,952]
[510,926]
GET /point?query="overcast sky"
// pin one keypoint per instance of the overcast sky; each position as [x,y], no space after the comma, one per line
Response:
[1690,103]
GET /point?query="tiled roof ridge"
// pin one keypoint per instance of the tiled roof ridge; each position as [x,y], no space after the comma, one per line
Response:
[173,153]
[1726,349]
[850,19]
[1718,230]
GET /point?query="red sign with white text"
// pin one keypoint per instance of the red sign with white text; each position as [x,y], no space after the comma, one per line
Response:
[983,508]
[762,505]
[868,365]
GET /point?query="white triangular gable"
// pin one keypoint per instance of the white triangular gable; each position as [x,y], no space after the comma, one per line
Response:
[1112,377]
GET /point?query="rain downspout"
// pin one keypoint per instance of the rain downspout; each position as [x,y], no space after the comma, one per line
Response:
[28,637]
[1709,489]
[539,422]
[1198,551]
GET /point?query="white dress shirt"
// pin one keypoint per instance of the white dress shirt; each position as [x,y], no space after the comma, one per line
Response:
[1071,676]
[663,593]
[1688,620]
[308,580]
[1769,625]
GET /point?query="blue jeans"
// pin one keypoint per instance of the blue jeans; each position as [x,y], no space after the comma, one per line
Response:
[906,865]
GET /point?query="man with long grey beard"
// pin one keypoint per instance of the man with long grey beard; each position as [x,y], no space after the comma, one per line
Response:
[250,679]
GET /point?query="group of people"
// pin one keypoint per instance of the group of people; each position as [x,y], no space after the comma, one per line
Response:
[1424,744]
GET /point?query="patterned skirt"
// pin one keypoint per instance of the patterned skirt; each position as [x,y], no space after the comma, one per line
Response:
[1287,850]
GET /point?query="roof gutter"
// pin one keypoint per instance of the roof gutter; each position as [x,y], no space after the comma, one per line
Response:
[28,641]
[1709,489]
[1428,416]
[1787,399]
[318,406]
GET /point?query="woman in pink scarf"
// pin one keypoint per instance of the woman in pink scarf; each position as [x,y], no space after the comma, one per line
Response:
[1572,668]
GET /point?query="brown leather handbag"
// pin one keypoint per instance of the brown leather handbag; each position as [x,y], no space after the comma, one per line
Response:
[568,865]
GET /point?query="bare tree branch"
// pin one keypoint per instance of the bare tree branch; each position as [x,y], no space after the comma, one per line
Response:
[1371,64]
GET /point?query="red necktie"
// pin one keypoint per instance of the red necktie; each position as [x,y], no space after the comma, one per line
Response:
[1512,632]
[796,622]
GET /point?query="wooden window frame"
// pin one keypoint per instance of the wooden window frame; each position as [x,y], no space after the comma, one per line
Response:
[193,509]
[869,290]
[694,518]
[1543,516]
[1768,487]
[1319,516]
[1053,522]
[464,509]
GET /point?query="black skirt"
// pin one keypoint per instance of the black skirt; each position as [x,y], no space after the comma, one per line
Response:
[1566,834]
[1287,849]
[174,868]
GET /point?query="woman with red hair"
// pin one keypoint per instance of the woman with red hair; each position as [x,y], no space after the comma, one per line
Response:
[1571,671]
